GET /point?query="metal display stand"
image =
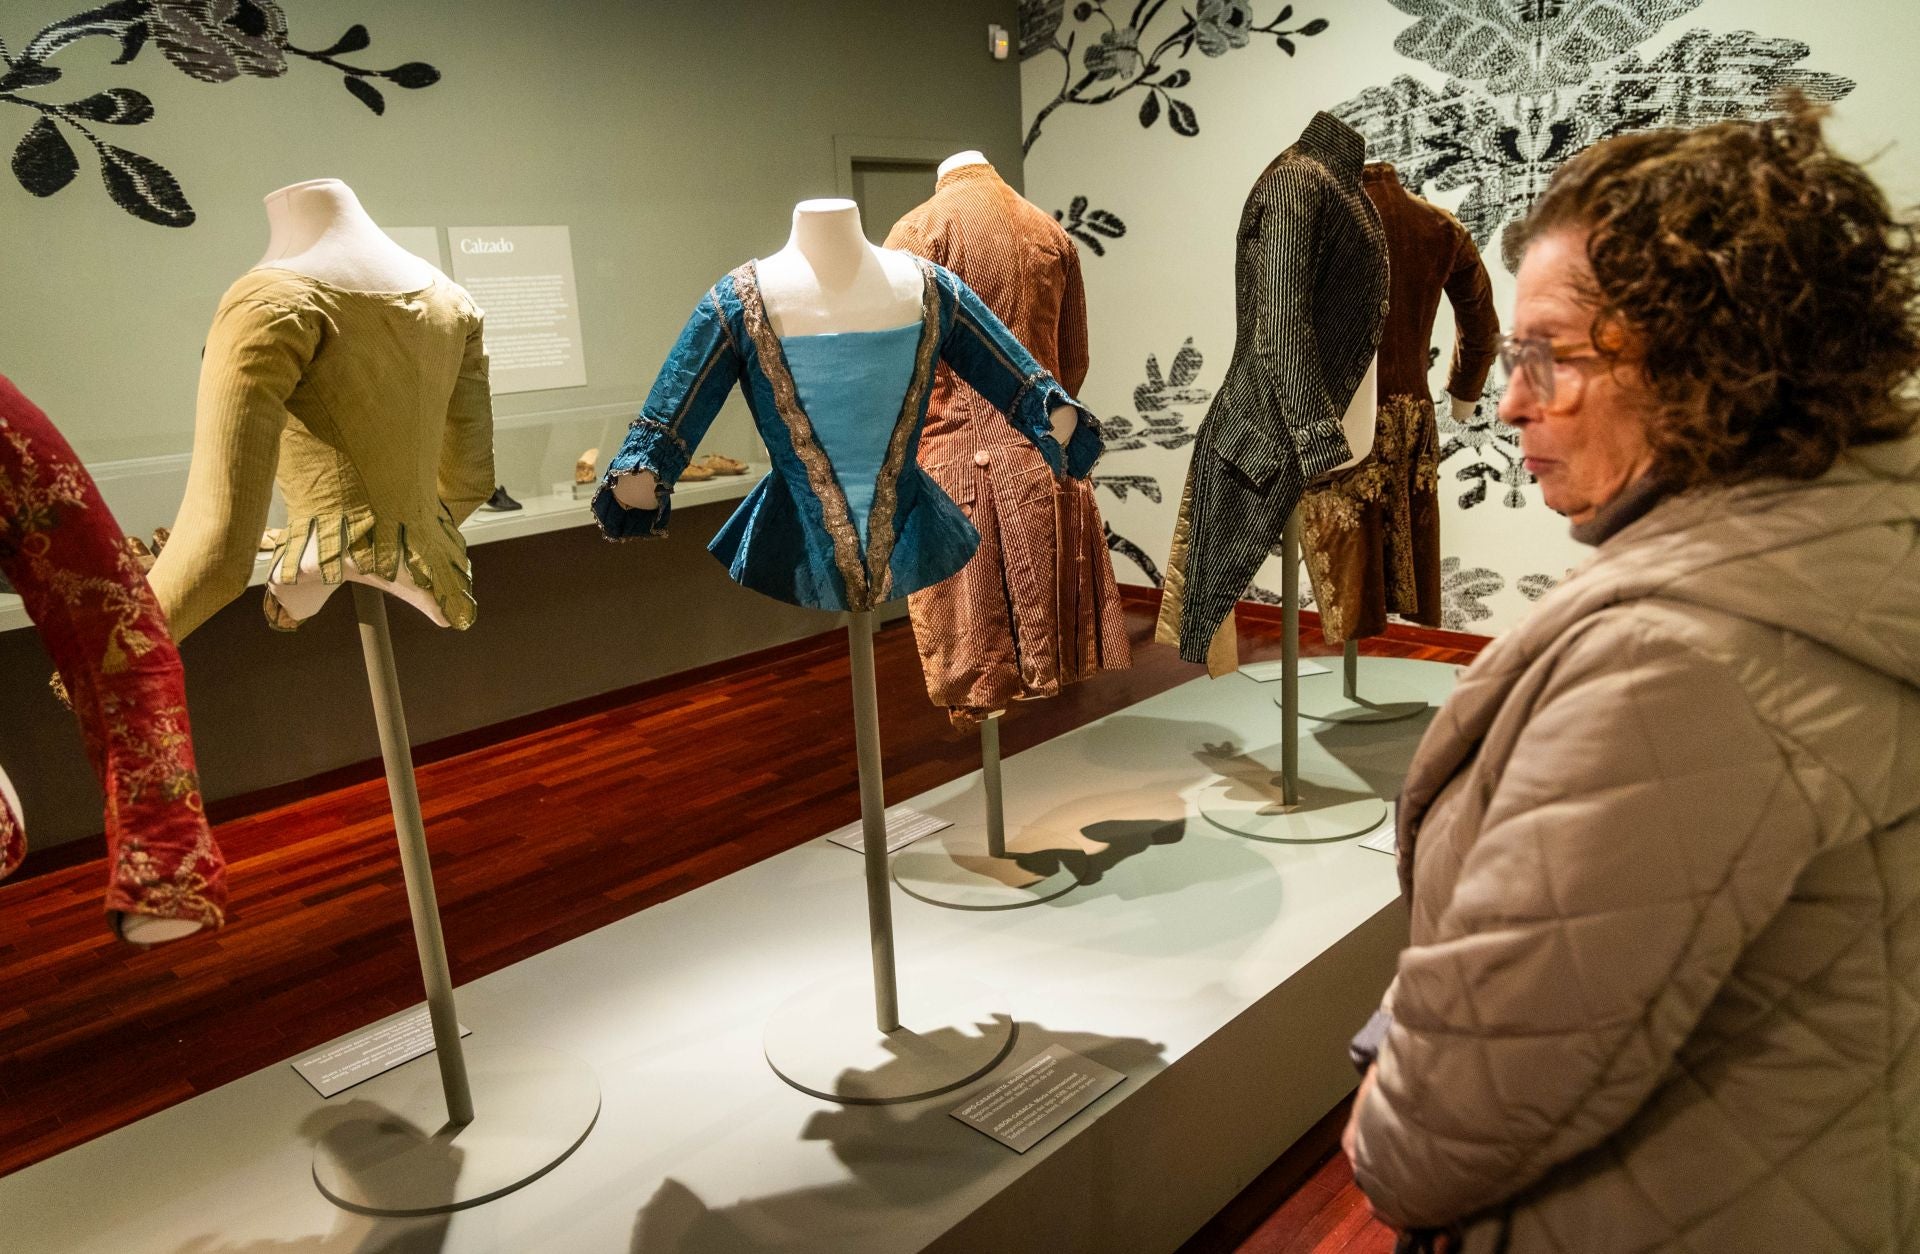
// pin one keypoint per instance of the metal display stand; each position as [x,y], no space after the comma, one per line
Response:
[971,869]
[1289,806]
[1385,702]
[501,1114]
[821,1040]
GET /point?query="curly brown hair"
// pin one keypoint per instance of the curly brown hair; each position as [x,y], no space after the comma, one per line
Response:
[1763,287]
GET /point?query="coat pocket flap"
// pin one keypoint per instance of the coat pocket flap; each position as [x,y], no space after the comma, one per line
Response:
[956,478]
[1254,453]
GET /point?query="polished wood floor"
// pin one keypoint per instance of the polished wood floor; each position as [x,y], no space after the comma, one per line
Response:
[542,831]
[1306,1203]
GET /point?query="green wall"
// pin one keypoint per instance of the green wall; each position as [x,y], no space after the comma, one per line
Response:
[672,137]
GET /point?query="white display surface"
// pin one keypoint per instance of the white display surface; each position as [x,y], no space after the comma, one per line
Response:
[388,1149]
[823,1041]
[1270,954]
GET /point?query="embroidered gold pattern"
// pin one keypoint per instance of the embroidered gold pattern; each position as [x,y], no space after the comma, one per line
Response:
[835,515]
[144,753]
[880,529]
[1403,464]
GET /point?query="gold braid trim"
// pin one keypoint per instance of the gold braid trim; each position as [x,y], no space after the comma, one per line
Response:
[880,531]
[835,515]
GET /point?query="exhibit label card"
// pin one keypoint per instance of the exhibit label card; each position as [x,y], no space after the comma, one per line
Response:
[904,826]
[1386,840]
[522,279]
[1049,1089]
[379,1047]
[1270,672]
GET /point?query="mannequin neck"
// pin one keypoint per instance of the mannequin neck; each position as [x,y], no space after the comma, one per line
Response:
[319,228]
[304,214]
[961,159]
[827,233]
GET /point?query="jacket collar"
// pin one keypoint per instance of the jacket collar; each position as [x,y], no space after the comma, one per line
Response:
[1334,144]
[1628,506]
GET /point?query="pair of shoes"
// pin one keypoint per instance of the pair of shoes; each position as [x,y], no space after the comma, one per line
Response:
[141,554]
[697,472]
[719,464]
[500,502]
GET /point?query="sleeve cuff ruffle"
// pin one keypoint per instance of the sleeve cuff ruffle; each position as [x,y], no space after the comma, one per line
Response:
[649,446]
[1083,447]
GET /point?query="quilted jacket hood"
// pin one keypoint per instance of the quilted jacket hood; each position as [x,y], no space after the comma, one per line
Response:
[1816,558]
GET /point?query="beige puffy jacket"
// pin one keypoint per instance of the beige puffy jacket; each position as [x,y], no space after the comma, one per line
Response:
[1663,991]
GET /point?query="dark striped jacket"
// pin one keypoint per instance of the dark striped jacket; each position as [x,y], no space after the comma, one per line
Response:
[1311,278]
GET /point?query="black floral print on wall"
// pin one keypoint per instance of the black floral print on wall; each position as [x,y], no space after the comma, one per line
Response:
[1092,227]
[1167,408]
[1532,84]
[212,41]
[1464,592]
[1120,58]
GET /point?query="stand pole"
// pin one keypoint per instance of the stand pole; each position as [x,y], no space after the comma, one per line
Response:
[1290,661]
[377,644]
[990,774]
[1350,680]
[873,819]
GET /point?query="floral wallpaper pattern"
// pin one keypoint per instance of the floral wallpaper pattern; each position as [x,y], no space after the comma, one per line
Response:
[1531,84]
[1494,97]
[211,41]
[1121,57]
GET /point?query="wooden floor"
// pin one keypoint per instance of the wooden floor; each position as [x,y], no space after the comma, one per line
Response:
[542,831]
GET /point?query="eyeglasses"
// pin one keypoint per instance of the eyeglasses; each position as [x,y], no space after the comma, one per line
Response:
[1536,358]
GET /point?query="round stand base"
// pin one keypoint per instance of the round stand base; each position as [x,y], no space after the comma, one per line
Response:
[1380,700]
[823,1041]
[1324,813]
[388,1149]
[955,870]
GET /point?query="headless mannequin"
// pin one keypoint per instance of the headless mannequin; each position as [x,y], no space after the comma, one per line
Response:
[827,280]
[319,229]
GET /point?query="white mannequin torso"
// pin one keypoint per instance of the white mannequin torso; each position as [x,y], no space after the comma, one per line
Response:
[1362,412]
[829,280]
[319,229]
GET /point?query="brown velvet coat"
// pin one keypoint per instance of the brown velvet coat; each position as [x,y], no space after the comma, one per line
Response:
[1037,607]
[1371,532]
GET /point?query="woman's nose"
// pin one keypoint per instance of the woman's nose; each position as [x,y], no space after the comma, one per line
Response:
[1517,402]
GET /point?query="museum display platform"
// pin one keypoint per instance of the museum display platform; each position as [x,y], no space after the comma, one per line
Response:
[1221,975]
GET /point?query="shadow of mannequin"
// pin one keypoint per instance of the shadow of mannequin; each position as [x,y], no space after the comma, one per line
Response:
[350,1127]
[1250,779]
[1378,753]
[1093,833]
[899,1158]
